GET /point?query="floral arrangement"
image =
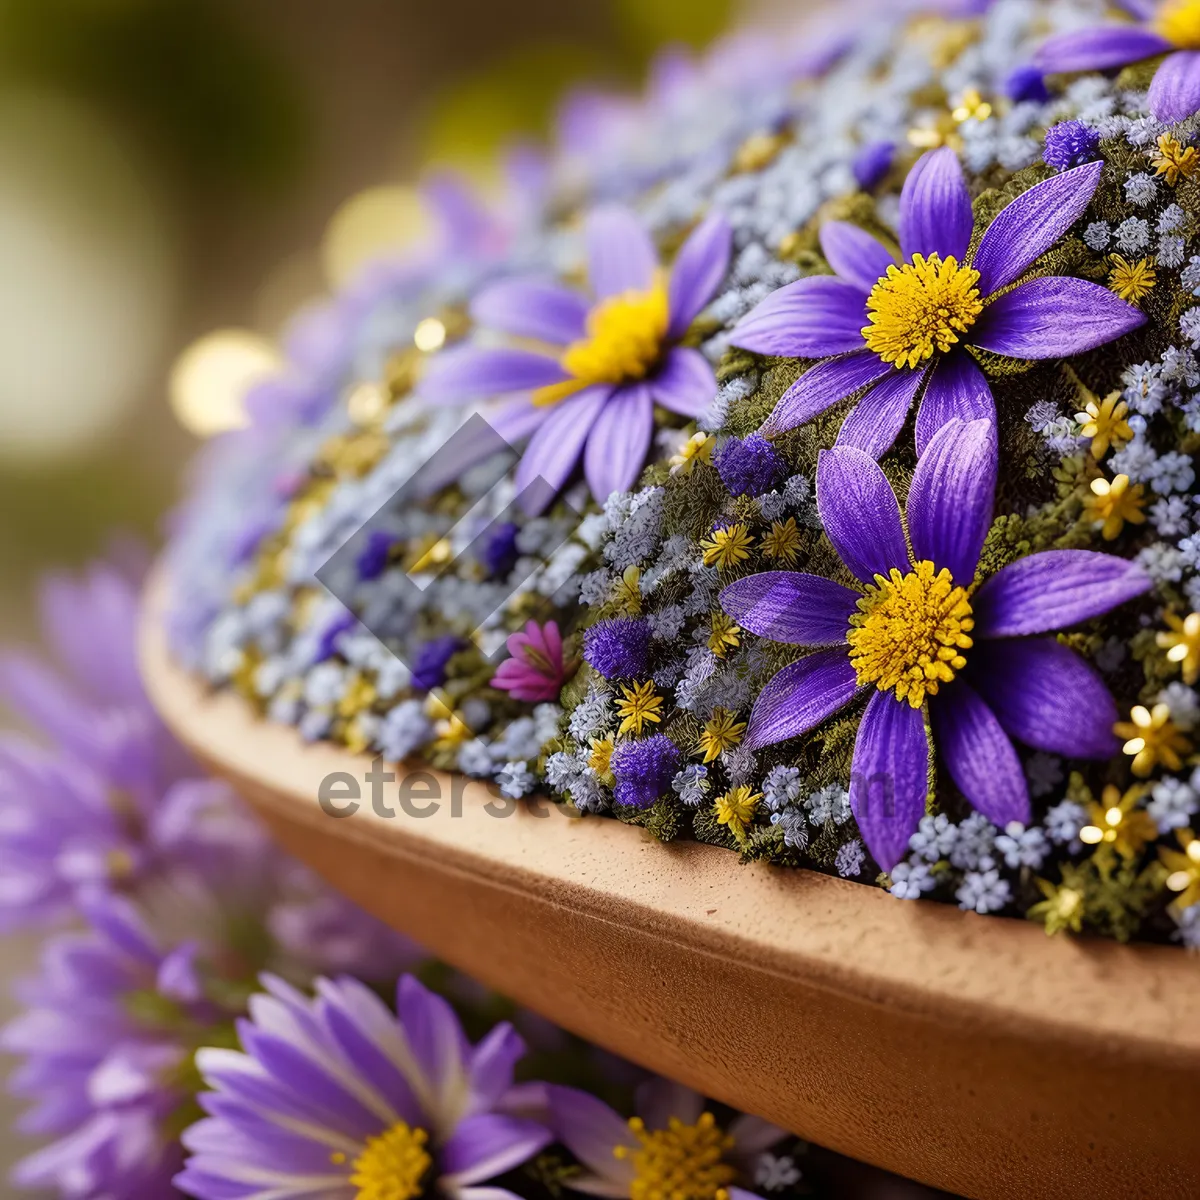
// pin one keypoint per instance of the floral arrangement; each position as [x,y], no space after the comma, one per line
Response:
[825,428]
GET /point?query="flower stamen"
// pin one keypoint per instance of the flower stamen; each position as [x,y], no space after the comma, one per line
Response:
[393,1165]
[681,1162]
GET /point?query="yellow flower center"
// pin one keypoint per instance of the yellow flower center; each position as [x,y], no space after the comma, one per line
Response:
[681,1162]
[909,633]
[624,341]
[921,307]
[1179,22]
[393,1165]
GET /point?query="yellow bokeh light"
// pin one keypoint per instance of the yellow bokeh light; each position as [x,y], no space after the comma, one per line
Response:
[429,335]
[209,380]
[374,223]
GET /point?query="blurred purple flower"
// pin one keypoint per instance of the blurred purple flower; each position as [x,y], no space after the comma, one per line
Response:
[536,671]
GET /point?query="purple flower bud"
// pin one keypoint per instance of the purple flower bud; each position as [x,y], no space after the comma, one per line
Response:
[374,555]
[1070,144]
[618,648]
[749,467]
[429,670]
[872,163]
[1027,83]
[644,769]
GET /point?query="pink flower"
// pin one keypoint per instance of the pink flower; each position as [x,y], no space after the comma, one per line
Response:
[536,670]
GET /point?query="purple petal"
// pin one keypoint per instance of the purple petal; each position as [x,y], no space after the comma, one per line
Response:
[1031,224]
[476,372]
[433,1032]
[935,207]
[660,1100]
[1099,49]
[1055,590]
[823,386]
[619,441]
[492,1064]
[889,776]
[535,308]
[950,499]
[978,755]
[875,421]
[555,448]
[620,254]
[591,1131]
[1046,696]
[800,697]
[811,318]
[1054,317]
[1175,92]
[686,383]
[859,512]
[791,607]
[487,1145]
[697,271]
[854,254]
[957,390]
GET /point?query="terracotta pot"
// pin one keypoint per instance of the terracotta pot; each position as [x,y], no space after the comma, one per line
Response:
[972,1053]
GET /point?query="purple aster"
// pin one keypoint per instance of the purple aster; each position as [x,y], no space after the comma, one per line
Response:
[499,553]
[644,770]
[429,667]
[618,648]
[674,1146]
[887,329]
[1070,144]
[620,355]
[536,671]
[1026,84]
[1170,27]
[919,635]
[373,558]
[872,163]
[336,1096]
[749,466]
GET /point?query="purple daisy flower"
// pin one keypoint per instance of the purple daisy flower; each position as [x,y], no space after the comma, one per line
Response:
[673,1147]
[922,635]
[335,1096]
[891,327]
[618,354]
[1170,27]
[536,670]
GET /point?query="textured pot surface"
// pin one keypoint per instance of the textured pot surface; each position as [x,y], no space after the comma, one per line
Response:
[972,1053]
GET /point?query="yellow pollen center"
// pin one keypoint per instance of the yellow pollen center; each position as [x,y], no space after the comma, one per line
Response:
[910,631]
[681,1162]
[393,1165]
[624,341]
[1179,22]
[921,307]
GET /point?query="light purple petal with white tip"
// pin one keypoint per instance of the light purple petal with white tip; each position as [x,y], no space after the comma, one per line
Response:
[1046,696]
[1054,317]
[489,1144]
[874,423]
[1099,49]
[697,272]
[492,1064]
[1031,224]
[591,1131]
[889,776]
[822,386]
[800,697]
[860,514]
[620,254]
[978,754]
[685,383]
[957,390]
[854,254]
[554,449]
[812,318]
[1055,590]
[534,308]
[935,207]
[477,372]
[950,499]
[1175,92]
[660,1100]
[791,607]
[619,441]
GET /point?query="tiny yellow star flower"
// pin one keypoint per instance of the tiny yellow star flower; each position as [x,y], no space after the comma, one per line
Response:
[1104,422]
[601,755]
[971,107]
[1182,644]
[736,809]
[725,634]
[1174,160]
[1152,739]
[450,728]
[698,448]
[1061,909]
[722,733]
[640,705]
[1112,504]
[727,547]
[1132,281]
[629,590]
[1117,823]
[782,543]
[758,151]
[1184,879]
[358,696]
